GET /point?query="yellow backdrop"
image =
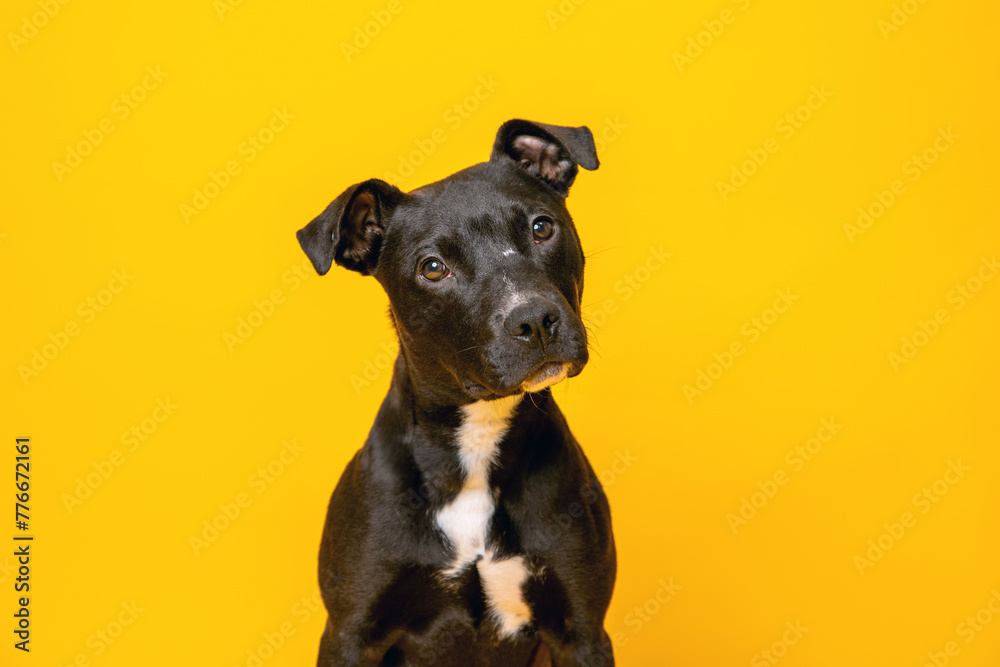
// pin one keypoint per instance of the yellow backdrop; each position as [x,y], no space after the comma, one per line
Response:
[792,246]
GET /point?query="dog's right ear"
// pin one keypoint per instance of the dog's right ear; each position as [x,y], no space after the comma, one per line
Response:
[351,229]
[551,153]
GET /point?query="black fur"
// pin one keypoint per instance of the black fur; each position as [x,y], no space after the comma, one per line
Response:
[382,554]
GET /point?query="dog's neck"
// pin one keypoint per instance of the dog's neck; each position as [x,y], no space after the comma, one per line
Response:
[428,429]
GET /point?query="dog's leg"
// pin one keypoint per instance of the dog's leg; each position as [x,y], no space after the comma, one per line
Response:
[541,657]
[584,653]
[332,652]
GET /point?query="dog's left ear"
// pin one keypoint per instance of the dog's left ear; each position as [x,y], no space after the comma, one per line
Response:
[548,152]
[351,229]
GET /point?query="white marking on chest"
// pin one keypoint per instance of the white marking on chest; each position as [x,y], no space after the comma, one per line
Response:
[502,581]
[465,520]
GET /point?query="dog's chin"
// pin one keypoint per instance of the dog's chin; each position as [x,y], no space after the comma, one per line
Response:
[549,374]
[541,378]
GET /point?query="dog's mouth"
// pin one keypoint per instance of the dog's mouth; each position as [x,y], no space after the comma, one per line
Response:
[549,374]
[543,377]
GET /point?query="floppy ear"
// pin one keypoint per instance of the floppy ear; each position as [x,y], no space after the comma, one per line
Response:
[549,152]
[351,228]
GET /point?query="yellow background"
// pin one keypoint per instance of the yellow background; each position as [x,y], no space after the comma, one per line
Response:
[671,133]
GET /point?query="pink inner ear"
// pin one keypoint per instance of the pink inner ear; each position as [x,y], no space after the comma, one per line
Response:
[530,146]
[360,226]
[535,152]
[551,167]
[362,212]
[531,149]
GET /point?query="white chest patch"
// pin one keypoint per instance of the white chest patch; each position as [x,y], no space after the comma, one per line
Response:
[465,520]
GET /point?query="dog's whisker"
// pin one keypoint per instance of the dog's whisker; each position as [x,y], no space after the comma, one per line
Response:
[531,397]
[597,252]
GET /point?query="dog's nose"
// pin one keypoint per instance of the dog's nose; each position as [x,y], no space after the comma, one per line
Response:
[534,322]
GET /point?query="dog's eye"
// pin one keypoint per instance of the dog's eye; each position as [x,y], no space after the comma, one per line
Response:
[541,229]
[433,269]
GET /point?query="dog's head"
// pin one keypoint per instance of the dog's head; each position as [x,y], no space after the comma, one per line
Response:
[483,269]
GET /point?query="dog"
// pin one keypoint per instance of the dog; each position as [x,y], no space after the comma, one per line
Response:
[470,530]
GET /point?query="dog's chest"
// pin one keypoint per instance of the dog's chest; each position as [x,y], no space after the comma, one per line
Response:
[466,519]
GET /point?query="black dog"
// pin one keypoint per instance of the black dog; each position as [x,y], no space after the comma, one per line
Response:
[470,530]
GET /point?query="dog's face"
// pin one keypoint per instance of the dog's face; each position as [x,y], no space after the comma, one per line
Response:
[483,269]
